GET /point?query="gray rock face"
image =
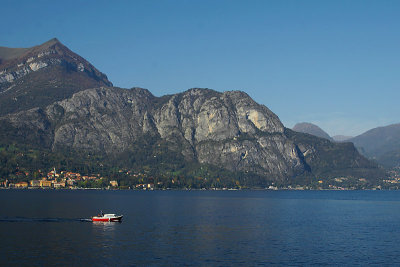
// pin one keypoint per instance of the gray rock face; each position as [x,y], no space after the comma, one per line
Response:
[227,129]
[101,119]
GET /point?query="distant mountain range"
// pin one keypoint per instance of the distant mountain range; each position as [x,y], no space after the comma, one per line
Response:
[381,144]
[54,101]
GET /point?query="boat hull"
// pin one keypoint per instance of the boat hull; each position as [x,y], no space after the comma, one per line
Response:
[109,219]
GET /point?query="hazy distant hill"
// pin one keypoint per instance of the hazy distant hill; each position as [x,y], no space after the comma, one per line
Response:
[341,138]
[40,75]
[381,144]
[309,128]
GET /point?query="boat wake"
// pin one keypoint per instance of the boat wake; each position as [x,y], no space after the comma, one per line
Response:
[53,220]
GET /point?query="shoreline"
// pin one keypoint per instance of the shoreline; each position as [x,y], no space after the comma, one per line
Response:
[183,189]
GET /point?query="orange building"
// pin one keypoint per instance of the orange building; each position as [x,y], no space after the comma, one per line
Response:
[21,185]
[114,183]
[44,183]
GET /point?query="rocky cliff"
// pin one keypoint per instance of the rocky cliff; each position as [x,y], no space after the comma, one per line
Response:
[228,130]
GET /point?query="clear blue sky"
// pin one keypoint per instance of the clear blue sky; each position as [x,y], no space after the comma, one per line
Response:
[333,63]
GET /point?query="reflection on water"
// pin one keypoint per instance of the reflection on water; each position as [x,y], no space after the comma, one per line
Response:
[105,236]
[105,226]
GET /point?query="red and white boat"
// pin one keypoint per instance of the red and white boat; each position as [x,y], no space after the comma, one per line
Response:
[107,218]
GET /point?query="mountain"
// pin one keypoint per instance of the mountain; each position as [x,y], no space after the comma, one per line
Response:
[341,138]
[228,130]
[381,144]
[199,137]
[40,75]
[329,159]
[309,128]
[222,129]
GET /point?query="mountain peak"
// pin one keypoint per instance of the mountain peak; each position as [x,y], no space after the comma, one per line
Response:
[53,40]
[9,53]
[49,43]
[59,71]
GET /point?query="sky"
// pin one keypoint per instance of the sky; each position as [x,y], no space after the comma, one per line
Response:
[332,63]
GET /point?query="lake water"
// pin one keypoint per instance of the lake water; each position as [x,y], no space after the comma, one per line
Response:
[200,228]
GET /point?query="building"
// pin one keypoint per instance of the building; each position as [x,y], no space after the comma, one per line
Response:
[21,185]
[145,186]
[114,183]
[73,175]
[70,182]
[59,184]
[45,183]
[35,183]
[150,186]
[5,183]
[52,174]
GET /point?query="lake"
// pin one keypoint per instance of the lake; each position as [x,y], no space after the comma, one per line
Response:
[200,228]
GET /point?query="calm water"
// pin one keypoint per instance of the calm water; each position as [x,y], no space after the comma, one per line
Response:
[207,228]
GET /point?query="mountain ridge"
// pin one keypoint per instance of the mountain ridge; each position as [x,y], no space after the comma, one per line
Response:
[8,53]
[381,144]
[42,74]
[173,134]
[226,129]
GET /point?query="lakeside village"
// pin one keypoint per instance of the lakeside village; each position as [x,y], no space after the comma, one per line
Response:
[68,180]
[73,180]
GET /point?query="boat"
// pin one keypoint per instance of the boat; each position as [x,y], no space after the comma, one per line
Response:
[109,217]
